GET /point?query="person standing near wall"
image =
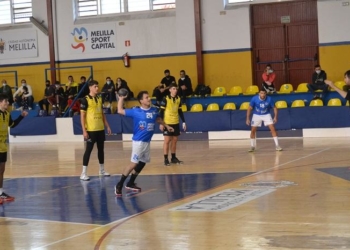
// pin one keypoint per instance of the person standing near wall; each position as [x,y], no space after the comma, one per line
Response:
[5,122]
[93,123]
[261,105]
[171,111]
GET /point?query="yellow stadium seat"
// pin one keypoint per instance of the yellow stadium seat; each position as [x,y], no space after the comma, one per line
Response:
[252,90]
[302,87]
[244,106]
[316,103]
[298,104]
[339,84]
[281,104]
[184,107]
[347,103]
[235,90]
[213,107]
[229,106]
[197,108]
[335,102]
[219,91]
[286,88]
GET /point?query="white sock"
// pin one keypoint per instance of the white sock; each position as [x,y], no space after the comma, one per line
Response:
[253,142]
[84,169]
[102,166]
[276,140]
[1,190]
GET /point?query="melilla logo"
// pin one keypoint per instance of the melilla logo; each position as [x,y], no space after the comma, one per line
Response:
[80,37]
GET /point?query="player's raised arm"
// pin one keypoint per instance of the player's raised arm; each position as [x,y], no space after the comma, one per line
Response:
[121,110]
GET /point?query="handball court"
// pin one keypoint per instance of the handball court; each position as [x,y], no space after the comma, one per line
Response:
[222,197]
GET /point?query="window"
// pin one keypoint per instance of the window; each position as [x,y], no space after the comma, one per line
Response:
[15,11]
[102,7]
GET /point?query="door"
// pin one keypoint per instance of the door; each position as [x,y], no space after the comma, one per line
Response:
[285,36]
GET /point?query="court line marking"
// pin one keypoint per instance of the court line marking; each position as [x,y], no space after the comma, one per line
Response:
[49,221]
[122,221]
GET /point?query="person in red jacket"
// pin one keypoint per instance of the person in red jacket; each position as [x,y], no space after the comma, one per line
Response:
[268,78]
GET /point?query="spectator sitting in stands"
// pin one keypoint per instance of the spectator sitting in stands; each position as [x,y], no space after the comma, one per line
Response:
[25,102]
[318,83]
[81,85]
[18,95]
[162,89]
[268,78]
[71,88]
[107,92]
[60,100]
[185,86]
[122,84]
[49,97]
[7,90]
[75,109]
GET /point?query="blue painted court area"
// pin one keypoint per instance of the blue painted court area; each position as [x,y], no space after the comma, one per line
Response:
[68,199]
[341,172]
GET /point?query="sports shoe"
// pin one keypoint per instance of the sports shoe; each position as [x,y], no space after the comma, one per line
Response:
[84,177]
[176,161]
[166,162]
[252,149]
[6,197]
[104,173]
[118,190]
[278,148]
[133,187]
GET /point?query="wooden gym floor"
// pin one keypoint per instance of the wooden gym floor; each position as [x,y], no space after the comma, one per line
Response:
[222,197]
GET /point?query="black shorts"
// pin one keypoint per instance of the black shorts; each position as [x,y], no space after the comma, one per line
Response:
[3,157]
[176,132]
[96,136]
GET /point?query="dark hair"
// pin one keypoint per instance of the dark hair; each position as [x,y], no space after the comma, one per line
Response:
[268,65]
[166,71]
[317,66]
[182,71]
[140,95]
[3,97]
[24,80]
[347,73]
[264,90]
[108,78]
[92,83]
[70,76]
[48,81]
[83,77]
[25,88]
[172,85]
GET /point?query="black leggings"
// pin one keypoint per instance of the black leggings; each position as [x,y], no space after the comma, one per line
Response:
[99,138]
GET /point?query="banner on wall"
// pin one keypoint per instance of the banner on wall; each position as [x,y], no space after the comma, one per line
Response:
[18,44]
[93,38]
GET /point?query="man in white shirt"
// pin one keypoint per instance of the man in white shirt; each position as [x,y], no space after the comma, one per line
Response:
[21,95]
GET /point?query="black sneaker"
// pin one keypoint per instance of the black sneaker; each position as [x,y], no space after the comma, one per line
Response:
[176,161]
[6,197]
[166,162]
[133,187]
[118,190]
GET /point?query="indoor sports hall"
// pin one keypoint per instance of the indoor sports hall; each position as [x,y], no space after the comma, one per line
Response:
[222,196]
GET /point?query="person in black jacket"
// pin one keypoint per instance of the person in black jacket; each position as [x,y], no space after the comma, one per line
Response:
[162,89]
[185,86]
[122,84]
[7,90]
[318,78]
[107,92]
[49,96]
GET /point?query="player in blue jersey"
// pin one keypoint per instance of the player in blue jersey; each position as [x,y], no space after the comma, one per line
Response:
[144,119]
[261,106]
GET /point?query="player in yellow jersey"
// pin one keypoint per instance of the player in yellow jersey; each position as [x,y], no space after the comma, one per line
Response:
[171,112]
[5,122]
[93,123]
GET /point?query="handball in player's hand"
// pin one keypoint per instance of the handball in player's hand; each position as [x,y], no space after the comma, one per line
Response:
[123,92]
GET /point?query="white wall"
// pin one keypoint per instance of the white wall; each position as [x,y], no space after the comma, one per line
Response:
[333,21]
[228,31]
[39,12]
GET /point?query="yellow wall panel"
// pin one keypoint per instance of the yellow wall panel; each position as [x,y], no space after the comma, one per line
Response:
[335,61]
[228,70]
